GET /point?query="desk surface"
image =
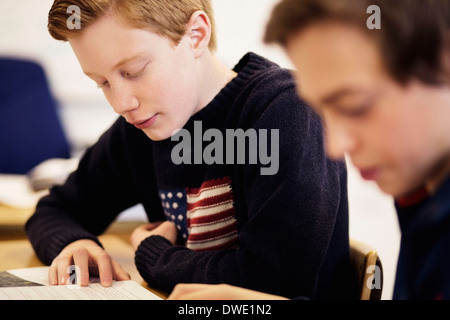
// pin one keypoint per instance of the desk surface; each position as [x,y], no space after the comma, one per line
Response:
[10,216]
[16,251]
[15,254]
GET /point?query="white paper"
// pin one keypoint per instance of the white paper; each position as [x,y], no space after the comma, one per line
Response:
[120,290]
[37,274]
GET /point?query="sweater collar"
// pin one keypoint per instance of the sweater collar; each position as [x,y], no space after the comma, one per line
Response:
[218,108]
[421,210]
[413,198]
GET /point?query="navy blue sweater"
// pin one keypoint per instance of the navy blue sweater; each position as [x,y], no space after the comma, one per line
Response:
[423,270]
[285,233]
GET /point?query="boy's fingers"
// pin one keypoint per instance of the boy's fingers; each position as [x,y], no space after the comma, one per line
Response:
[182,291]
[53,274]
[120,274]
[105,269]
[150,226]
[75,265]
[62,265]
[81,261]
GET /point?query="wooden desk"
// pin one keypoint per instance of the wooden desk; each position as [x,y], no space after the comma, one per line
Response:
[12,222]
[10,216]
[16,251]
[16,254]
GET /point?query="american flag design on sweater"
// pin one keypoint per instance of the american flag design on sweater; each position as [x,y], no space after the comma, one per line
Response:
[205,216]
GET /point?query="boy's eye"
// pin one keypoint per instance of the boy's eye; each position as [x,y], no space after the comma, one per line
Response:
[134,75]
[102,85]
[131,75]
[356,112]
[356,109]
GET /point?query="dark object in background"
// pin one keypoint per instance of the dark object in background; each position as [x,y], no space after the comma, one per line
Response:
[30,128]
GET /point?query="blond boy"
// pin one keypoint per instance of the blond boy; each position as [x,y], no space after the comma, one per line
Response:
[220,220]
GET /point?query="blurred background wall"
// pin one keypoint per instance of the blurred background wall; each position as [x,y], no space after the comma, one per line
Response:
[86,114]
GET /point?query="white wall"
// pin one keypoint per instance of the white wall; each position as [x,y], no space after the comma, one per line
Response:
[240,27]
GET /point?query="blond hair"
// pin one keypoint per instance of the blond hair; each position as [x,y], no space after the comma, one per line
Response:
[164,17]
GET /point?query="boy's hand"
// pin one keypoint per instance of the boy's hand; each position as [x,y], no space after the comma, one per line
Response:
[195,291]
[88,256]
[165,229]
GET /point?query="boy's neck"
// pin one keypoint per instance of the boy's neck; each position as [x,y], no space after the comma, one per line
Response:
[438,176]
[214,76]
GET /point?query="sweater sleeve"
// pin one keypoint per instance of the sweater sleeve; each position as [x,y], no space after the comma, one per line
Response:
[88,202]
[289,219]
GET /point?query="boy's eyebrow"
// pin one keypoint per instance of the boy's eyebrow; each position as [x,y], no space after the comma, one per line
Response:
[126,60]
[338,94]
[121,63]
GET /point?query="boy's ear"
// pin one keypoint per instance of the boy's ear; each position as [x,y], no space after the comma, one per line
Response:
[199,32]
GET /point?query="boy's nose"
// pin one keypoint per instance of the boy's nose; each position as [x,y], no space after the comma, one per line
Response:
[124,101]
[339,140]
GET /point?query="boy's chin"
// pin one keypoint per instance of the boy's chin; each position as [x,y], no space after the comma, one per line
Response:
[396,189]
[157,135]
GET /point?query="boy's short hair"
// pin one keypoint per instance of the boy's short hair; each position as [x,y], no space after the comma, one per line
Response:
[413,39]
[164,17]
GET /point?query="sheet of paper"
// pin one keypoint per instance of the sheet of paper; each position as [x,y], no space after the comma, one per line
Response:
[9,280]
[36,275]
[120,290]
